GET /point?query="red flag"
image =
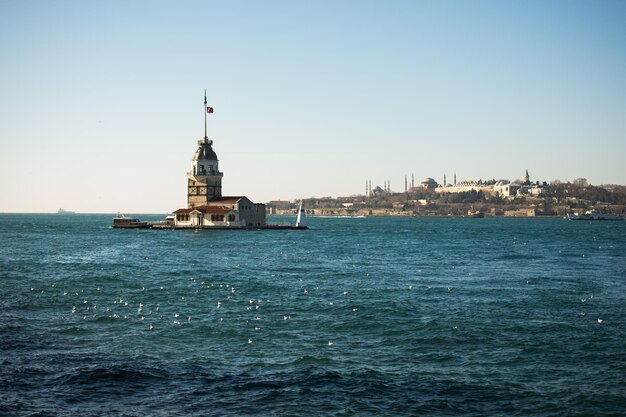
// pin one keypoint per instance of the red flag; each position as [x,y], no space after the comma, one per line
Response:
[209,109]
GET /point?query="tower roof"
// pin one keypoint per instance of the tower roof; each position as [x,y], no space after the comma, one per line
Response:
[205,151]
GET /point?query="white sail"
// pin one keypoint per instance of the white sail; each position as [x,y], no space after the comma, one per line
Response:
[301,221]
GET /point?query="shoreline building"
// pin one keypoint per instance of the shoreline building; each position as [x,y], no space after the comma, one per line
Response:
[206,207]
[502,188]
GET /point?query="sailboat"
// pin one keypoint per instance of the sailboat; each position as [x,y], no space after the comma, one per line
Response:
[301,220]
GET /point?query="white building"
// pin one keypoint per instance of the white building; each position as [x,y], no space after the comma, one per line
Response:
[506,189]
[222,212]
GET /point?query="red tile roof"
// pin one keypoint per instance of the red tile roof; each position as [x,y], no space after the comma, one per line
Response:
[214,209]
[225,199]
[184,211]
[206,209]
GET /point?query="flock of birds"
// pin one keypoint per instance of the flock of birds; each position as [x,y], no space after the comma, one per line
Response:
[164,307]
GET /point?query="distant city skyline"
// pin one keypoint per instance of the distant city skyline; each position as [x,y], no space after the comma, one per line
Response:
[101,104]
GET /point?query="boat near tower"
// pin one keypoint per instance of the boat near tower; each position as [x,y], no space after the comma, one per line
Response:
[301,220]
[594,215]
[206,207]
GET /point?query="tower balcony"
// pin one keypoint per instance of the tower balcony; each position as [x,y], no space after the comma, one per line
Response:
[205,173]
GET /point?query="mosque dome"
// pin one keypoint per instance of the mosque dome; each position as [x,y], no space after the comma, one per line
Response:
[429,183]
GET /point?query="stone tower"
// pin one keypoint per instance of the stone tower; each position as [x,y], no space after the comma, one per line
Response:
[204,181]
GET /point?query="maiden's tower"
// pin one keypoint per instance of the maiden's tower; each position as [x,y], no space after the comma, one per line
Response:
[206,206]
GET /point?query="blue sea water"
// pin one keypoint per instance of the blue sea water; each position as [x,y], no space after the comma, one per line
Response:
[354,317]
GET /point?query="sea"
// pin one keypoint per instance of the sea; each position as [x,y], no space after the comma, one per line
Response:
[354,317]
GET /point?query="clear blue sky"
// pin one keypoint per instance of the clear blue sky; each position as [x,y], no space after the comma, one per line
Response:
[101,101]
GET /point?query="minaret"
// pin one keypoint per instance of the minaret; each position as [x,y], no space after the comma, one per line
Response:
[455,179]
[204,181]
[444,180]
[412,181]
[527,178]
[406,184]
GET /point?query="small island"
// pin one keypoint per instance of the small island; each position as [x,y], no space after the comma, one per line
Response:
[206,207]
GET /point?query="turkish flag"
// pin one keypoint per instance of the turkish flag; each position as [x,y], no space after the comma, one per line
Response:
[209,109]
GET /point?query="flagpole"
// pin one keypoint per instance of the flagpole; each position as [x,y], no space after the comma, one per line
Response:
[205,112]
